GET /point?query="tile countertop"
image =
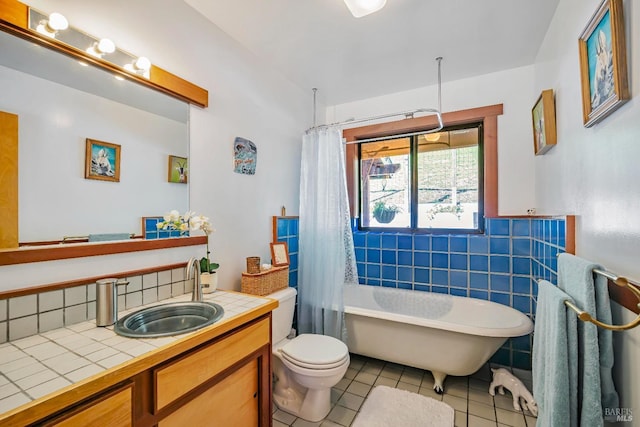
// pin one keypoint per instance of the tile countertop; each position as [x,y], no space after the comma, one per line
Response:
[33,367]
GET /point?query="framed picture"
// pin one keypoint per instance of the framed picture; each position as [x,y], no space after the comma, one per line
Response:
[543,116]
[279,254]
[603,63]
[178,167]
[102,161]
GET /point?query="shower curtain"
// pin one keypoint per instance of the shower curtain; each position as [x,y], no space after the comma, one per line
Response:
[326,259]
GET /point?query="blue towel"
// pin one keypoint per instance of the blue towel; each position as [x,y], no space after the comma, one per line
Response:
[595,345]
[555,383]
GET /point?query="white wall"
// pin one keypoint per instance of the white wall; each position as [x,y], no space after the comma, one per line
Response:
[594,172]
[512,88]
[246,99]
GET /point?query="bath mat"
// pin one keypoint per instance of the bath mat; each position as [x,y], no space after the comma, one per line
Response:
[386,406]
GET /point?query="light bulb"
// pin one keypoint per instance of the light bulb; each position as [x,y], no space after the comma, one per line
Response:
[58,22]
[360,8]
[143,63]
[55,23]
[106,46]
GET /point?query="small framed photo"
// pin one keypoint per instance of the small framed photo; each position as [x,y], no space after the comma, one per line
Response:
[178,168]
[603,63]
[102,161]
[279,254]
[543,116]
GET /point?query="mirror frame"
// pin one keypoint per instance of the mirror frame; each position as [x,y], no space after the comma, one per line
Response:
[14,19]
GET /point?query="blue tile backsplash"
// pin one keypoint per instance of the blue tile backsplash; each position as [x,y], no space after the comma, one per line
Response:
[501,266]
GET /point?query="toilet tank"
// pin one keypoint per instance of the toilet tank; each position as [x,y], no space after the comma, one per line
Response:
[282,317]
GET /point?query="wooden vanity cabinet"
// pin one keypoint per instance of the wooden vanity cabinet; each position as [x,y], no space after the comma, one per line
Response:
[114,409]
[225,381]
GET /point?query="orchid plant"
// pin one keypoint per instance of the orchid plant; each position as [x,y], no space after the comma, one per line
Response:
[190,221]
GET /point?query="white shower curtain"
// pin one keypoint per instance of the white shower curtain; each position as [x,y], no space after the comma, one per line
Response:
[326,257]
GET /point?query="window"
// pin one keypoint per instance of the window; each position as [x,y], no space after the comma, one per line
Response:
[424,183]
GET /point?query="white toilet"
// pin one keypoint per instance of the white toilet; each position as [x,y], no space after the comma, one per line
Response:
[305,367]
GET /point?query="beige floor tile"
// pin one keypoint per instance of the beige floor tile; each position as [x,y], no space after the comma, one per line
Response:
[481,396]
[392,372]
[411,377]
[351,373]
[457,403]
[460,419]
[504,401]
[474,421]
[409,387]
[366,378]
[459,390]
[430,392]
[343,384]
[284,417]
[531,421]
[341,415]
[277,423]
[303,423]
[515,419]
[389,382]
[358,388]
[482,411]
[351,401]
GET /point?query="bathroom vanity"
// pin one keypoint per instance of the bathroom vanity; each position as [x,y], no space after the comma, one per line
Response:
[219,375]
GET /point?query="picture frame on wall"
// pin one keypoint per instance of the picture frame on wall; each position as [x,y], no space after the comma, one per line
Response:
[279,254]
[603,63]
[178,168]
[102,161]
[543,116]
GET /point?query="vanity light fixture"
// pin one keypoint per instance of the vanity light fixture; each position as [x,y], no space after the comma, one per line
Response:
[49,27]
[360,8]
[102,47]
[140,66]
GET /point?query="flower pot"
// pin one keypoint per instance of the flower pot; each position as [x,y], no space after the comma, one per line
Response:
[385,216]
[209,282]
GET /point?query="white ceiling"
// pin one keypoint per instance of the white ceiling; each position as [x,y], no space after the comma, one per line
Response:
[318,43]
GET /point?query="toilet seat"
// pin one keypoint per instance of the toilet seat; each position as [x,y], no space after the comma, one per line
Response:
[313,351]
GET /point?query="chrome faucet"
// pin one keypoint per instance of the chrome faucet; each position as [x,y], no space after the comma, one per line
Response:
[197,286]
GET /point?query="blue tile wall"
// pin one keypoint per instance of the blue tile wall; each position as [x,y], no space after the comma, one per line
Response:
[151,230]
[287,231]
[502,265]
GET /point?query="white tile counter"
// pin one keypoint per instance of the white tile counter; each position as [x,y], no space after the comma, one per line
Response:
[35,366]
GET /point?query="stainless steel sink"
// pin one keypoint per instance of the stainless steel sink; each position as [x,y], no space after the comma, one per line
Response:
[169,319]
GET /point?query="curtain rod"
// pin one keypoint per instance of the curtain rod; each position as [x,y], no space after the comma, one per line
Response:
[407,114]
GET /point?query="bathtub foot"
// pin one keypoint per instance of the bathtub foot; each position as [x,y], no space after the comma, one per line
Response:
[438,381]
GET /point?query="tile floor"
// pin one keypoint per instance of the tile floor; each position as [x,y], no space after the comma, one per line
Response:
[469,396]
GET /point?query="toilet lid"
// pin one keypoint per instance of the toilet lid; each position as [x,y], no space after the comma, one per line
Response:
[311,350]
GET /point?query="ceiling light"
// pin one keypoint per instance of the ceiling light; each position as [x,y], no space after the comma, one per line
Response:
[359,8]
[432,137]
[56,22]
[101,48]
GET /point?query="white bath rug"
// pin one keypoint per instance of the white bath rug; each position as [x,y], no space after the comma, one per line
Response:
[386,406]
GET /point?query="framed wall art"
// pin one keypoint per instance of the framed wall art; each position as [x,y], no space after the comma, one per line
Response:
[102,161]
[178,167]
[603,63]
[543,116]
[245,156]
[279,254]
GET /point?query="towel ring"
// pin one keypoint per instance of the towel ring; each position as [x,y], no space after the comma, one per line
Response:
[623,283]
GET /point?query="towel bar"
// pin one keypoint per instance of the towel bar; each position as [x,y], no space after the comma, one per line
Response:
[623,283]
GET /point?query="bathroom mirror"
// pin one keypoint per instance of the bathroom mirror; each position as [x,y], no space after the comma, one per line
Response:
[62,103]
